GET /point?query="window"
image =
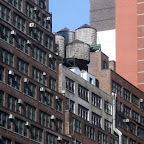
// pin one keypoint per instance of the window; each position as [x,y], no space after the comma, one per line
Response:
[96,100]
[4,13]
[6,140]
[42,4]
[21,44]
[52,83]
[59,126]
[59,105]
[96,119]
[33,13]
[46,98]
[30,89]
[72,106]
[39,76]
[1,98]
[29,111]
[105,65]
[1,74]
[49,42]
[142,106]
[6,34]
[132,141]
[119,106]
[14,81]
[83,112]
[135,100]
[36,134]
[127,95]
[20,127]
[140,133]
[102,138]
[108,107]
[113,141]
[69,85]
[127,111]
[46,23]
[107,126]
[13,104]
[135,116]
[19,22]
[89,132]
[17,4]
[142,120]
[52,63]
[36,34]
[124,139]
[116,88]
[4,120]
[44,120]
[132,128]
[83,93]
[22,66]
[51,139]
[39,55]
[122,124]
[6,57]
[76,125]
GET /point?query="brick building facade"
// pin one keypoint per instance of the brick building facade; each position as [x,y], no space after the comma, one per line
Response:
[130,104]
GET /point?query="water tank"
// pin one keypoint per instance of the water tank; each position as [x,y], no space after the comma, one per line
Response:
[78,50]
[68,34]
[86,34]
[60,41]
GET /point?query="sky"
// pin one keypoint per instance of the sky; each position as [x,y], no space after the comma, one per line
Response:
[69,13]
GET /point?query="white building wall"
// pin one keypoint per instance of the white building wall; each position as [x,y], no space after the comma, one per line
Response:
[107,39]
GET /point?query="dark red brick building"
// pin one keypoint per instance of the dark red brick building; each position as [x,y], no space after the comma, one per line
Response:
[130,103]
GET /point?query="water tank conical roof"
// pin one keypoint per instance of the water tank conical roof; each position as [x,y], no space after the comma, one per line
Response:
[86,34]
[85,26]
[68,34]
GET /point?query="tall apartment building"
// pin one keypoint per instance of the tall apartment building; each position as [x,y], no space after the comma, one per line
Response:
[130,48]
[130,99]
[29,111]
[102,18]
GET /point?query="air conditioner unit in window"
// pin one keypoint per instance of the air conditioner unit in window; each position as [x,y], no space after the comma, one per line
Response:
[52,117]
[59,138]
[27,124]
[141,100]
[32,25]
[28,42]
[44,74]
[56,97]
[56,53]
[35,9]
[20,101]
[126,120]
[48,18]
[13,33]
[11,117]
[50,55]
[26,80]
[63,92]
[42,89]
[11,72]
